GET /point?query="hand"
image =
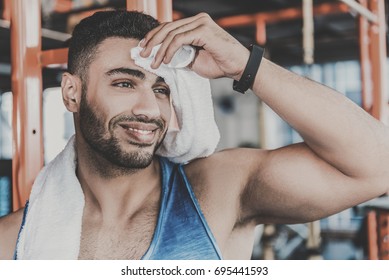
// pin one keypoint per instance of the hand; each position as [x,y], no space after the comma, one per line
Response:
[218,53]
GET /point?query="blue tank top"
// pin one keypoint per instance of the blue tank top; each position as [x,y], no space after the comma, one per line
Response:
[182,232]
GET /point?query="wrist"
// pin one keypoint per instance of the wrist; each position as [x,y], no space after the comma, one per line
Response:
[241,65]
[245,79]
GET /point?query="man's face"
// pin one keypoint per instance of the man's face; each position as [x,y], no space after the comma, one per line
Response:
[125,110]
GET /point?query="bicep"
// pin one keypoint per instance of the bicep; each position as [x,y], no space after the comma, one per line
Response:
[293,185]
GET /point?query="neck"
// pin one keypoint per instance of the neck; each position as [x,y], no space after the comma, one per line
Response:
[113,191]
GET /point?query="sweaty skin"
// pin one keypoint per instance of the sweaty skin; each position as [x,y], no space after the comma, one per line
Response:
[342,161]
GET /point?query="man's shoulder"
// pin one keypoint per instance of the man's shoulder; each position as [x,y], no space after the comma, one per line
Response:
[9,229]
[225,168]
[235,158]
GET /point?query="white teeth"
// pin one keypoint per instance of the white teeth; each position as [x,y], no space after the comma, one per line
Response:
[141,131]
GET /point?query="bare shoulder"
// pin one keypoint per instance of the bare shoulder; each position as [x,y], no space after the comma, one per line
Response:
[9,229]
[219,180]
[235,163]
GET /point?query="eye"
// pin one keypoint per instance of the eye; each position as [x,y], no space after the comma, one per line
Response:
[125,84]
[162,90]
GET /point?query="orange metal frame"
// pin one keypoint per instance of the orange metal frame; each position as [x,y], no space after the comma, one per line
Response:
[375,101]
[262,19]
[160,9]
[372,235]
[27,97]
[378,234]
[373,61]
[27,60]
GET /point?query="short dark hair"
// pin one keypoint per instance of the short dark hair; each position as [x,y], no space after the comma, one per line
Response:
[91,31]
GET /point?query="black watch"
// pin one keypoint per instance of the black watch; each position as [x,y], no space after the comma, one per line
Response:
[250,71]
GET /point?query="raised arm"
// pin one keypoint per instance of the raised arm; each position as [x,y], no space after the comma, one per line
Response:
[345,153]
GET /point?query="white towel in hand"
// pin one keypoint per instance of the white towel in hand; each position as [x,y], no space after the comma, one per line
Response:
[198,134]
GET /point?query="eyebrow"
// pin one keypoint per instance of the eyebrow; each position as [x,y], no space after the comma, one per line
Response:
[160,80]
[132,72]
[128,71]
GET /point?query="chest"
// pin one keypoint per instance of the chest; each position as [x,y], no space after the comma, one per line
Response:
[118,241]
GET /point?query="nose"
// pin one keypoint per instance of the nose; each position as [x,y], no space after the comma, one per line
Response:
[146,105]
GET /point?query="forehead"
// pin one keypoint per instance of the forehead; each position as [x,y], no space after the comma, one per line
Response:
[114,53]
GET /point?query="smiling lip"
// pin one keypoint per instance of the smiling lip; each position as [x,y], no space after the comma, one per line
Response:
[140,133]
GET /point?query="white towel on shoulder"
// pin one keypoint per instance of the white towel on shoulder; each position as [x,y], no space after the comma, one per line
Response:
[52,229]
[198,134]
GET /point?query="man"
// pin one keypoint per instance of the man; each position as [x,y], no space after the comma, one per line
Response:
[121,114]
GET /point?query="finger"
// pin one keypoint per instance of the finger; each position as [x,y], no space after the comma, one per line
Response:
[161,54]
[168,27]
[158,34]
[190,37]
[151,33]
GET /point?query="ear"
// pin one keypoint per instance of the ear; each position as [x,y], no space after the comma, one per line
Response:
[71,91]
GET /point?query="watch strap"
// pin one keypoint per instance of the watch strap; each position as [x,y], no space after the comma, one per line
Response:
[250,71]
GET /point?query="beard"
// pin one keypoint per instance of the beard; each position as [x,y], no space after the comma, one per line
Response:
[107,145]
